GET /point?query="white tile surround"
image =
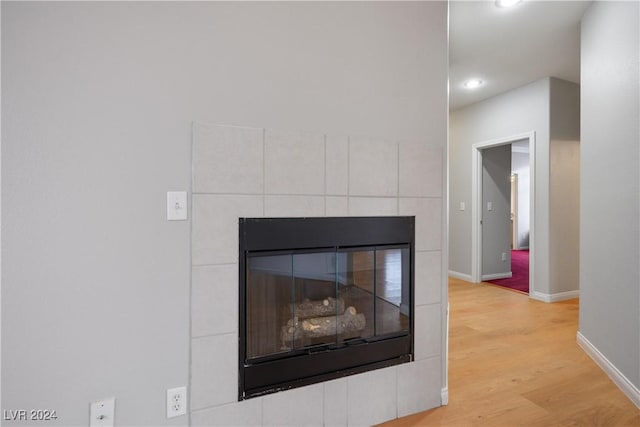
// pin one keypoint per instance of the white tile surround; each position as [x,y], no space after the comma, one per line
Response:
[248,172]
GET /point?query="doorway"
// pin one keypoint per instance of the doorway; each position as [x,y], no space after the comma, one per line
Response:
[483,219]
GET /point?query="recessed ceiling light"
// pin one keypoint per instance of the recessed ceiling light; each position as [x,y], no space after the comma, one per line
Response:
[507,3]
[473,83]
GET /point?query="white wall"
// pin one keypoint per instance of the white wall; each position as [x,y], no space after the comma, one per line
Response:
[516,112]
[564,186]
[98,101]
[610,187]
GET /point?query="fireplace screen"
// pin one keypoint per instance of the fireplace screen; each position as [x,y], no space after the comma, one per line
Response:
[299,304]
[299,301]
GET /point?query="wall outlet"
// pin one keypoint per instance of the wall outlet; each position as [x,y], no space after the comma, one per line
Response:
[176,402]
[103,413]
[504,256]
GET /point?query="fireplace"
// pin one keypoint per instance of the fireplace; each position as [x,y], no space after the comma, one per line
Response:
[323,298]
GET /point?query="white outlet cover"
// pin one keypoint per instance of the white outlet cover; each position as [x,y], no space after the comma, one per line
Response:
[176,402]
[103,413]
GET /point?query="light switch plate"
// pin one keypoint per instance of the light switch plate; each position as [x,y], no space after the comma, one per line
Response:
[103,413]
[176,205]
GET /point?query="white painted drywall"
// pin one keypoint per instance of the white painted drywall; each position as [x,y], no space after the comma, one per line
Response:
[98,101]
[564,186]
[610,184]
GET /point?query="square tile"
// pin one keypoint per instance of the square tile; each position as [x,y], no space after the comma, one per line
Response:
[335,403]
[214,229]
[337,167]
[247,413]
[294,163]
[428,332]
[293,206]
[373,167]
[428,271]
[421,167]
[296,408]
[214,299]
[336,206]
[371,397]
[227,159]
[428,213]
[373,206]
[214,370]
[419,386]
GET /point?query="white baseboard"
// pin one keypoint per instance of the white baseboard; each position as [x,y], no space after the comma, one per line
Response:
[444,396]
[461,276]
[560,296]
[540,296]
[497,276]
[627,387]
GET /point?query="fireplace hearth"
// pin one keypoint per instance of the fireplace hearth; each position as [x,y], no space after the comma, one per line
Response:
[323,298]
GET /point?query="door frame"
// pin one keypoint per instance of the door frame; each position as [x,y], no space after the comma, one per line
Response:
[514,202]
[476,202]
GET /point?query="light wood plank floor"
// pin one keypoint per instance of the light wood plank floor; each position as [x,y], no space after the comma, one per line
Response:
[515,362]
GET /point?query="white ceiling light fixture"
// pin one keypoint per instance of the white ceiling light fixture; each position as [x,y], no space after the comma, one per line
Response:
[472,83]
[507,3]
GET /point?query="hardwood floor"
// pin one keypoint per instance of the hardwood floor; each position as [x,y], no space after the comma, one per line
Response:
[514,361]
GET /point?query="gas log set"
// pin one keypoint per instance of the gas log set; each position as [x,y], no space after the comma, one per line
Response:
[316,319]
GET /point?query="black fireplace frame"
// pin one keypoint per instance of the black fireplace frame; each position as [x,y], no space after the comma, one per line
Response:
[304,367]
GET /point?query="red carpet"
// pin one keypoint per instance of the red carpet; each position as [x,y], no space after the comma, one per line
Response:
[520,272]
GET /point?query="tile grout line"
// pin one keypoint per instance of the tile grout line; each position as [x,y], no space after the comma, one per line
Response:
[312,195]
[218,334]
[348,175]
[325,175]
[323,407]
[347,400]
[398,178]
[264,170]
[262,410]
[397,383]
[215,264]
[190,367]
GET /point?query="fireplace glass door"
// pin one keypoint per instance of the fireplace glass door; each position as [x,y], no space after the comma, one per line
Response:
[304,301]
[322,298]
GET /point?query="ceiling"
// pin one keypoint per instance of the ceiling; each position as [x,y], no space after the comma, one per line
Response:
[508,48]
